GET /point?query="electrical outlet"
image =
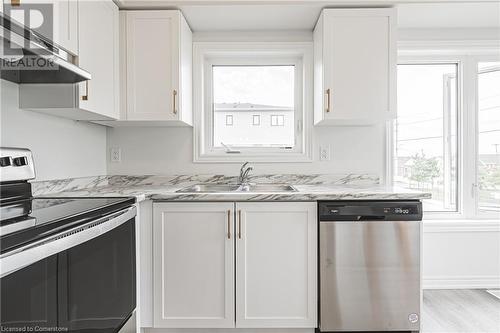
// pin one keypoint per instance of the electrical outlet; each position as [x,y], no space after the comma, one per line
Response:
[115,155]
[324,153]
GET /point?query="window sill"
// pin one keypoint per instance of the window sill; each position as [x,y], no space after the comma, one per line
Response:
[254,158]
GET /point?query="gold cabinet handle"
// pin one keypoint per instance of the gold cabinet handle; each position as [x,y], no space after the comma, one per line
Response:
[327,100]
[239,223]
[15,3]
[228,224]
[86,96]
[174,97]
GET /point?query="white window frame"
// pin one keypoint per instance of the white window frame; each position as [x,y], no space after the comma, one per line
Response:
[467,57]
[209,54]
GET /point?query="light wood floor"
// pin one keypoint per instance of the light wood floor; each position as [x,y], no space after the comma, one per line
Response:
[447,311]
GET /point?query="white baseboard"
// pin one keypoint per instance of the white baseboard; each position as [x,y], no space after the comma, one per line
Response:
[461,282]
[229,330]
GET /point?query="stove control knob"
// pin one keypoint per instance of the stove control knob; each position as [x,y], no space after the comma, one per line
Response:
[5,161]
[20,161]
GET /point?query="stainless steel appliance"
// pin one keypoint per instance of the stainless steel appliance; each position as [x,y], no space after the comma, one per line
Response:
[369,261]
[29,57]
[66,264]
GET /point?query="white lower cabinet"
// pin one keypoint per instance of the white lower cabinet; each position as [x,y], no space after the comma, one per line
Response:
[243,265]
[193,265]
[276,264]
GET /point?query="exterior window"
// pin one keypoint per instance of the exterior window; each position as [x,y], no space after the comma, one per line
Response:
[229,120]
[488,137]
[244,90]
[425,133]
[278,120]
[256,120]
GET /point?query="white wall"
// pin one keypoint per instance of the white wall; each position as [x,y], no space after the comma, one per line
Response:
[461,254]
[62,148]
[157,150]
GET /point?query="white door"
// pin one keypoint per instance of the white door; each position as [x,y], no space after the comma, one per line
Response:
[276,264]
[193,265]
[152,64]
[359,64]
[98,42]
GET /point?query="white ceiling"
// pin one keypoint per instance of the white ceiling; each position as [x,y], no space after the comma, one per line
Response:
[206,15]
[449,15]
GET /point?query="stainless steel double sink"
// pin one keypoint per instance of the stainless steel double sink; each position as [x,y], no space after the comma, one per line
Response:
[237,188]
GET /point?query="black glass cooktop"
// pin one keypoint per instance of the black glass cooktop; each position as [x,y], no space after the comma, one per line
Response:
[26,221]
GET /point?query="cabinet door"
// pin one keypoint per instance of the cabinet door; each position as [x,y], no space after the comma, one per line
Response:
[193,265]
[276,264]
[66,24]
[99,56]
[61,16]
[356,54]
[152,65]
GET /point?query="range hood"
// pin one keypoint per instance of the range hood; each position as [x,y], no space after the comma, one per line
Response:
[28,57]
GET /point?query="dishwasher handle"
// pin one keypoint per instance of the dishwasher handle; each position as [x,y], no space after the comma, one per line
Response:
[397,210]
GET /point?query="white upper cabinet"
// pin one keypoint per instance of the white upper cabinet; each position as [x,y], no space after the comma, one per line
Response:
[193,264]
[98,98]
[99,55]
[158,67]
[61,15]
[276,264]
[66,32]
[355,66]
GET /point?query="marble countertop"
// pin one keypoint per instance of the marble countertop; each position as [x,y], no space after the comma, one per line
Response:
[163,189]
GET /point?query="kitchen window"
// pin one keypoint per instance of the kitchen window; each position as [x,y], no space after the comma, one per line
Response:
[446,138]
[425,132]
[488,137]
[266,88]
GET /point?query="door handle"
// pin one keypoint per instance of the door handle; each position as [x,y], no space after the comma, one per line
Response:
[174,97]
[239,223]
[228,224]
[86,96]
[327,100]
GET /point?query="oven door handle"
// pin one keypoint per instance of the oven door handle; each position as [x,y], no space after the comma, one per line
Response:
[31,253]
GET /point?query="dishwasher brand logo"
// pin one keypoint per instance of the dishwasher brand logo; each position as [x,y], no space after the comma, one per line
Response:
[413,318]
[39,18]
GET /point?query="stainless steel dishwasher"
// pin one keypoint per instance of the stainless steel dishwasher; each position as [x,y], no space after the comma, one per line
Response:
[369,261]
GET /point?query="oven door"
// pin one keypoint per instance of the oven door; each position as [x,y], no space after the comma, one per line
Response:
[82,280]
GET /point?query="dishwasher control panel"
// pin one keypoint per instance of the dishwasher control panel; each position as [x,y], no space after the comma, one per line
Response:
[396,210]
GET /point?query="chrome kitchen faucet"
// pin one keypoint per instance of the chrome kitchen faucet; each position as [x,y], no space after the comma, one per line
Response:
[244,174]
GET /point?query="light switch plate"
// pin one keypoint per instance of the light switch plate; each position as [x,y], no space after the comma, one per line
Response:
[115,155]
[324,153]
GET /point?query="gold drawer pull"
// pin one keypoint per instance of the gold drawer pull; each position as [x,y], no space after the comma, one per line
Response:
[328,100]
[86,96]
[228,224]
[174,93]
[239,223]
